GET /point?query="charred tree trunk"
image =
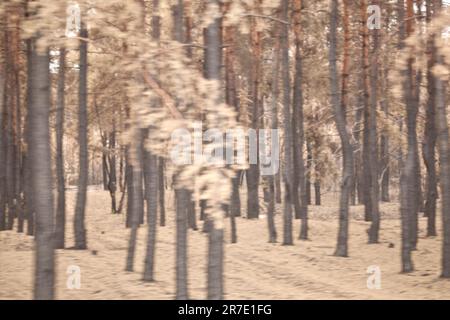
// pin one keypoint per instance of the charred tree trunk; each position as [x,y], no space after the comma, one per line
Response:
[340,119]
[430,134]
[137,197]
[444,156]
[80,208]
[213,58]
[408,191]
[299,134]
[40,153]
[61,198]
[366,156]
[288,156]
[253,174]
[373,140]
[151,197]
[161,192]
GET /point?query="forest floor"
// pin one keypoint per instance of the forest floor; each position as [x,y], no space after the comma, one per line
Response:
[254,269]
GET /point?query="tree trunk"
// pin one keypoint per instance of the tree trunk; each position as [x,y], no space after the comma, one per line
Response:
[412,109]
[40,153]
[79,223]
[288,169]
[151,197]
[253,174]
[340,119]
[137,198]
[299,133]
[161,191]
[444,156]
[367,138]
[181,198]
[61,198]
[407,188]
[213,58]
[28,189]
[373,140]
[430,134]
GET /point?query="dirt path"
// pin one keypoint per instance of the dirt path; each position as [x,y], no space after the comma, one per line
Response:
[254,269]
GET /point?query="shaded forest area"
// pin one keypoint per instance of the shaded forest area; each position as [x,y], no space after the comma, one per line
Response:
[92,93]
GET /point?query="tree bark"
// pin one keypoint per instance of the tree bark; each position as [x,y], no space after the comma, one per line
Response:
[151,197]
[40,153]
[407,187]
[340,120]
[213,58]
[373,140]
[61,197]
[288,168]
[80,208]
[299,133]
[430,134]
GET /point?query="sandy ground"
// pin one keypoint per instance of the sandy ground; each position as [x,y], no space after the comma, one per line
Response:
[254,269]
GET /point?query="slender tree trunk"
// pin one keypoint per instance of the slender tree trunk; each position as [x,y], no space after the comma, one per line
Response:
[366,156]
[275,92]
[151,197]
[112,176]
[181,198]
[412,109]
[444,157]
[231,98]
[80,208]
[407,188]
[40,153]
[137,197]
[213,58]
[373,140]
[61,198]
[339,116]
[161,192]
[253,174]
[430,134]
[3,115]
[299,134]
[308,172]
[384,144]
[288,170]
[444,149]
[28,190]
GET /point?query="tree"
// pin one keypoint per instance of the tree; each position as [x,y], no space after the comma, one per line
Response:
[298,120]
[289,169]
[213,63]
[39,145]
[430,135]
[408,189]
[61,198]
[444,157]
[80,208]
[339,117]
[373,139]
